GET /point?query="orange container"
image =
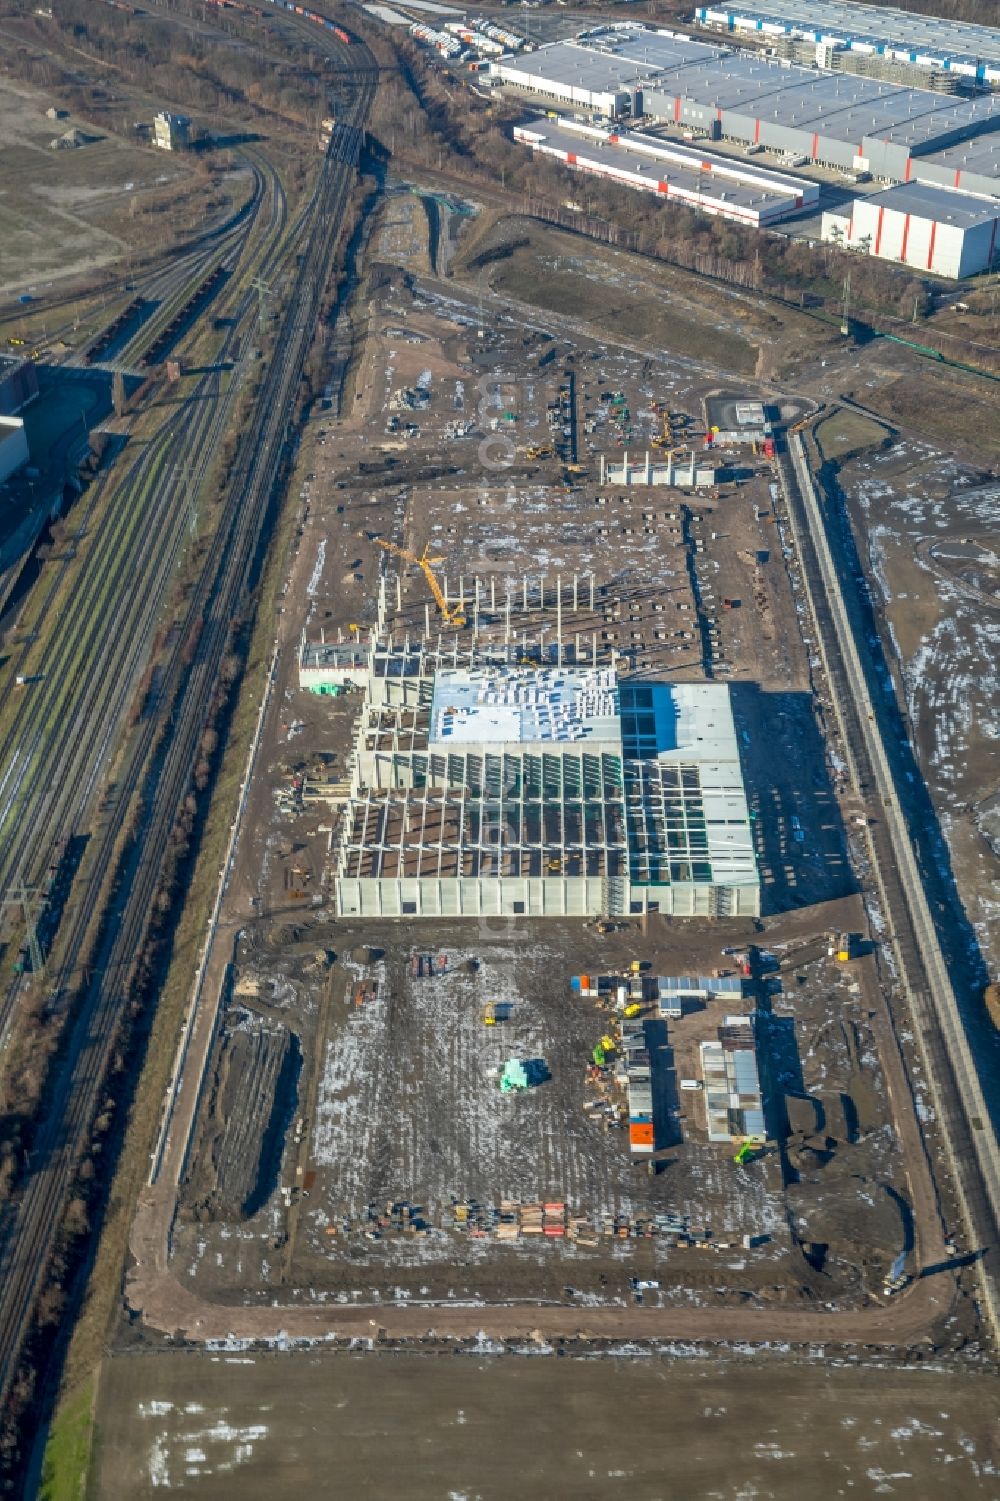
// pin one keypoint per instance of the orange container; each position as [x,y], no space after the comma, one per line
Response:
[640,1134]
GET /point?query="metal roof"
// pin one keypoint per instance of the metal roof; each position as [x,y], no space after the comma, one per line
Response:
[524,706]
[655,169]
[942,204]
[980,155]
[609,68]
[838,105]
[930,35]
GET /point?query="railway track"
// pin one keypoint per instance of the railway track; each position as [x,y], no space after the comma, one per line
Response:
[90,676]
[157,280]
[161,773]
[962,1113]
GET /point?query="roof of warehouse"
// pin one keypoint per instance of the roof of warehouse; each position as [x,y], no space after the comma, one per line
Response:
[981,155]
[906,116]
[518,706]
[839,105]
[868,22]
[739,85]
[942,204]
[655,169]
[609,66]
[651,49]
[704,728]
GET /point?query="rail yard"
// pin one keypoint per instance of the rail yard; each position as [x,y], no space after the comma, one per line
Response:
[474,871]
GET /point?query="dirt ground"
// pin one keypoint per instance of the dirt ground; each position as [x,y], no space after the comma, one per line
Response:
[70,212]
[930,539]
[220,1424]
[621,296]
[950,409]
[396,1099]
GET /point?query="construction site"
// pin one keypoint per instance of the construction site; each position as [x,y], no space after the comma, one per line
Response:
[552,976]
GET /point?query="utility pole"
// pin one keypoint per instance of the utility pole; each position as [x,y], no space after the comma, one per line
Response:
[186,480]
[29,900]
[262,289]
[845,324]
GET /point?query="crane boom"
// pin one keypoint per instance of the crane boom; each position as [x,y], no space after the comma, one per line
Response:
[426,564]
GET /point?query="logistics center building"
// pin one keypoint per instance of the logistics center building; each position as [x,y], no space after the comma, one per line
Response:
[930,42]
[711,183]
[837,120]
[483,788]
[931,229]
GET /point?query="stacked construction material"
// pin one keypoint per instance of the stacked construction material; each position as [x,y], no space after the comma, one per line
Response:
[508,1227]
[620,990]
[554,1219]
[635,1054]
[580,1229]
[532,1219]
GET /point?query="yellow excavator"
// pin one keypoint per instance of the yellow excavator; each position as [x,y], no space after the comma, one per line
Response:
[451,614]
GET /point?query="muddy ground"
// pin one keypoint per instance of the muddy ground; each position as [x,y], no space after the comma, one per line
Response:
[629,298]
[439,1429]
[930,540]
[397,1099]
[400,1102]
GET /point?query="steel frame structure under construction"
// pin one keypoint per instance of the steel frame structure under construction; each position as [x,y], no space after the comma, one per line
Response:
[497,789]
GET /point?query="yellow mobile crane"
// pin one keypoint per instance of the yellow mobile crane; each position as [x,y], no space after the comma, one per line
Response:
[451,615]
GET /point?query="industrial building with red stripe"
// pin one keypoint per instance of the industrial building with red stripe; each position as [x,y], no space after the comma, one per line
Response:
[946,149]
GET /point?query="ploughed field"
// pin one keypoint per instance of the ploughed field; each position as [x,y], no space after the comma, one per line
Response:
[229,1423]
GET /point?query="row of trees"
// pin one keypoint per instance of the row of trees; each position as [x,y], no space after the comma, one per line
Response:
[425,117]
[204,74]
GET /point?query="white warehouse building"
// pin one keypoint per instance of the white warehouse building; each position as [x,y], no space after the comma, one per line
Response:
[971,51]
[931,229]
[713,184]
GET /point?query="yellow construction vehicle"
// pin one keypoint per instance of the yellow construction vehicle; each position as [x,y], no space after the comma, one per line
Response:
[748,1147]
[538,451]
[450,614]
[576,468]
[665,438]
